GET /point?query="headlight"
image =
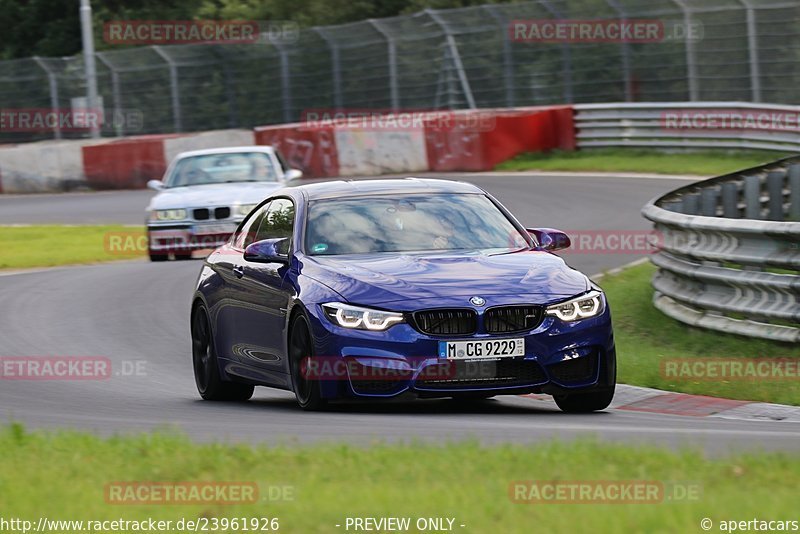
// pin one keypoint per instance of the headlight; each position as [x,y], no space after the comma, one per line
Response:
[583,307]
[245,209]
[349,316]
[169,215]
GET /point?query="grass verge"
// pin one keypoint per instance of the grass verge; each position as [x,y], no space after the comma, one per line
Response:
[645,338]
[704,163]
[64,475]
[51,245]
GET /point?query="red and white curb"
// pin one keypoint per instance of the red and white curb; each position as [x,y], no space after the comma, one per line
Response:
[639,399]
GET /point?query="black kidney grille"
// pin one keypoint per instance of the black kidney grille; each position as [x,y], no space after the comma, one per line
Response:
[508,319]
[446,322]
[201,214]
[222,213]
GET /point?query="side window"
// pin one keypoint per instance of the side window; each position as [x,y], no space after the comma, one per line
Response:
[278,221]
[247,234]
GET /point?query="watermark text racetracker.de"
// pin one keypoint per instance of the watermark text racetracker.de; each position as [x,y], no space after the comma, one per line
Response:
[730,369]
[733,119]
[603,31]
[45,368]
[68,120]
[194,524]
[603,491]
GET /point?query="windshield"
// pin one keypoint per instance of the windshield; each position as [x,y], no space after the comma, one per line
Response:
[223,168]
[421,223]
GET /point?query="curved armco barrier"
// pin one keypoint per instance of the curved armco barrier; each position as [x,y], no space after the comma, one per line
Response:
[729,258]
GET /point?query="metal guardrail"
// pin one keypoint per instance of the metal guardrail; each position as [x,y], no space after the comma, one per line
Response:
[729,252]
[689,125]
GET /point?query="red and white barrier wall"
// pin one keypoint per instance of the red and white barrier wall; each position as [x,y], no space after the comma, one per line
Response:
[460,141]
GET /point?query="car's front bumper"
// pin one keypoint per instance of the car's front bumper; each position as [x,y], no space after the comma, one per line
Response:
[559,358]
[187,237]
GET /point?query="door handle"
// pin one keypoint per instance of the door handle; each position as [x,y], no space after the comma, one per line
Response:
[238,270]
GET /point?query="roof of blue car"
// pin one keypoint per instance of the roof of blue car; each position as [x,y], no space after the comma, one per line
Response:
[404,186]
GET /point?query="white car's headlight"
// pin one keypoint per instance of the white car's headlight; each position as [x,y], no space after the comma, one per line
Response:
[583,307]
[244,209]
[349,316]
[169,215]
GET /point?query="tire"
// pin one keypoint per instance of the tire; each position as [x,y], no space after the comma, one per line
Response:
[301,345]
[207,377]
[158,257]
[585,402]
[183,256]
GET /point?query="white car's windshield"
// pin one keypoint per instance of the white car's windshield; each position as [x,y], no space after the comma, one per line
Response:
[223,168]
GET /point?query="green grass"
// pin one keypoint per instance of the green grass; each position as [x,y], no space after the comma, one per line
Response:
[645,337]
[51,245]
[704,163]
[63,476]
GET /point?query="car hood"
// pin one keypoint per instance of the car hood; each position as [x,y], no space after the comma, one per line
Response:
[213,195]
[445,279]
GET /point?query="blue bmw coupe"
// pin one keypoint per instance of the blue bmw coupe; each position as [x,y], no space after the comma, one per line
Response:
[381,288]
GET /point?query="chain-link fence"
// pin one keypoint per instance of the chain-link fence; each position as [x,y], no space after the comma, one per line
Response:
[745,50]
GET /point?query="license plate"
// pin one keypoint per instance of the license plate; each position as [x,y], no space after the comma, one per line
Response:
[213,229]
[483,348]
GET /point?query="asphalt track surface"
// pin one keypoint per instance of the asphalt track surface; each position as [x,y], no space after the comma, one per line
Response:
[138,312]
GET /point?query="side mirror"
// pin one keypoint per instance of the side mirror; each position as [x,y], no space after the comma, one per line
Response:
[550,239]
[293,174]
[268,251]
[155,185]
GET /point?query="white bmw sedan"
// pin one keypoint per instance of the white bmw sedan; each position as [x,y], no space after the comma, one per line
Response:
[205,194]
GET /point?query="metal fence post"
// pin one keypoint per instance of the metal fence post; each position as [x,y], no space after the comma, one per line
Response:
[752,46]
[451,44]
[566,54]
[335,66]
[625,52]
[174,88]
[286,79]
[508,58]
[119,122]
[691,62]
[392,57]
[53,82]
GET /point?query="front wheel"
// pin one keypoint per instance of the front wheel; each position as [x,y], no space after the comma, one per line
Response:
[158,257]
[307,391]
[209,382]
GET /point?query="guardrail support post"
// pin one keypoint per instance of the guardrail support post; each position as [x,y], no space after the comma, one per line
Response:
[775,181]
[691,204]
[708,202]
[794,196]
[730,200]
[752,197]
